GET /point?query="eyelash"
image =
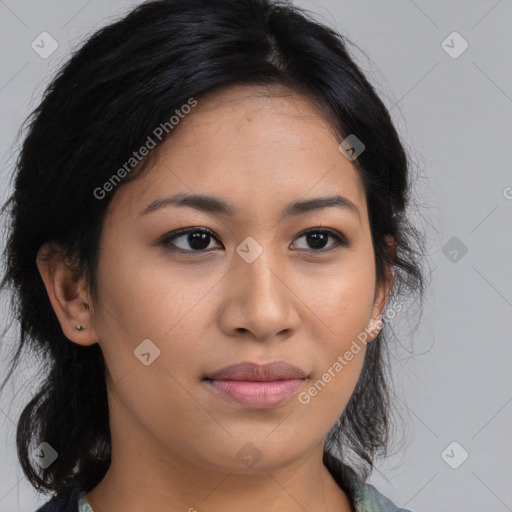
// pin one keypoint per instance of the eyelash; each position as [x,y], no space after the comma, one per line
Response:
[166,241]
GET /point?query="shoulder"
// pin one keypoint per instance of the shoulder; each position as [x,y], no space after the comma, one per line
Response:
[67,501]
[363,496]
[368,499]
[50,506]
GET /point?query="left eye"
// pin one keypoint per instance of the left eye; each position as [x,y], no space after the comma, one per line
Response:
[198,239]
[319,237]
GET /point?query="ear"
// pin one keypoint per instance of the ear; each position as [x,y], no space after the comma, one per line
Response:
[382,292]
[67,293]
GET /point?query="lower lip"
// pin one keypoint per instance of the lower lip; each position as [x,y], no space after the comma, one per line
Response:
[257,394]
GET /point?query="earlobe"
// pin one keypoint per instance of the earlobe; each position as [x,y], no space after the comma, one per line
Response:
[374,327]
[67,295]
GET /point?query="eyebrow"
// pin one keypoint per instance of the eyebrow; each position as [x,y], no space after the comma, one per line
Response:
[216,206]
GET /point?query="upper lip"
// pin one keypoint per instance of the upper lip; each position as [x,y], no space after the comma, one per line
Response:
[278,370]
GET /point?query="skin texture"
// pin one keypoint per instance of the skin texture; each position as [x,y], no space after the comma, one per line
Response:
[175,442]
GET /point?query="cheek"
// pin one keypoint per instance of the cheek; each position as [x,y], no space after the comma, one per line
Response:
[140,297]
[342,297]
[342,301]
[140,301]
[326,396]
[343,309]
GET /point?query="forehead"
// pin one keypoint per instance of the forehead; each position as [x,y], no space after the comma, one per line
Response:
[259,146]
[269,114]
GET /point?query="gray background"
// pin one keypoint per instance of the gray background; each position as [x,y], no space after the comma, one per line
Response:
[455,115]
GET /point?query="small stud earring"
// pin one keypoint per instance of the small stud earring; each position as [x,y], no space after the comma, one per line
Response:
[79,328]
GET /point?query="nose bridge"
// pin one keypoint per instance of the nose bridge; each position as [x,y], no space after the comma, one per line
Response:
[258,298]
[260,278]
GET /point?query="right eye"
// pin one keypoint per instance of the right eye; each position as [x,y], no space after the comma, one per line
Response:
[197,239]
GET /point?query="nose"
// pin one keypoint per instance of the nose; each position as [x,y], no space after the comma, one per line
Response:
[261,300]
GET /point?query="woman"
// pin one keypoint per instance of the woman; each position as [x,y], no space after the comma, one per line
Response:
[208,235]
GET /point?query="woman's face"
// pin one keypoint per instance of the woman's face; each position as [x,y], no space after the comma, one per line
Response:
[258,288]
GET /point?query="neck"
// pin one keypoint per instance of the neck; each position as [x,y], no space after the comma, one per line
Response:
[137,482]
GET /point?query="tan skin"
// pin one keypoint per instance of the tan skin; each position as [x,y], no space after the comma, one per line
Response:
[174,441]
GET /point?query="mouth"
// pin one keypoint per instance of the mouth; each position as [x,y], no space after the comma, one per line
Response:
[278,370]
[257,386]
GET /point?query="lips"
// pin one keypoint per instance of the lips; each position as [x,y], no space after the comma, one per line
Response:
[248,371]
[257,386]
